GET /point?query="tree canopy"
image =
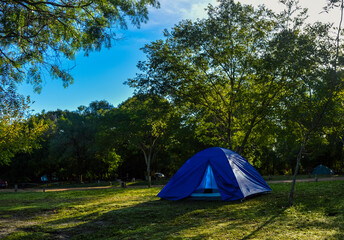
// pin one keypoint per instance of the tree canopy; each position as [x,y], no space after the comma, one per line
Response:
[266,85]
[226,71]
[36,37]
[141,123]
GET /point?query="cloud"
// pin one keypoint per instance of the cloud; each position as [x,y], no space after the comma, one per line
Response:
[198,10]
[315,9]
[173,11]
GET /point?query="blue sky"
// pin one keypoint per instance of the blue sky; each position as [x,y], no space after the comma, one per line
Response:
[100,76]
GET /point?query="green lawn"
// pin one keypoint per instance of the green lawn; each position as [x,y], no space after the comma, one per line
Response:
[136,213]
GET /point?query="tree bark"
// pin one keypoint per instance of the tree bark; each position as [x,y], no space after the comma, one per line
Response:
[229,130]
[148,157]
[298,160]
[149,175]
[341,163]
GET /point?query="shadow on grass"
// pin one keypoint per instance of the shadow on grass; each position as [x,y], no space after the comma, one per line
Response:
[149,220]
[265,224]
[156,219]
[160,219]
[325,200]
[256,218]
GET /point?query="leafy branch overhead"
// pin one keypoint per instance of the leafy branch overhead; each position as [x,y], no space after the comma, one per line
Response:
[36,36]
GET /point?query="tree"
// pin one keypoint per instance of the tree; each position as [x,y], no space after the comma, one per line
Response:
[79,146]
[31,161]
[337,124]
[98,108]
[317,86]
[71,143]
[218,71]
[105,160]
[71,146]
[335,129]
[18,135]
[141,123]
[37,36]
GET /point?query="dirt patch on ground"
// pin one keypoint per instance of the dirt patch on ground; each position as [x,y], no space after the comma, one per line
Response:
[144,186]
[53,189]
[308,180]
[10,225]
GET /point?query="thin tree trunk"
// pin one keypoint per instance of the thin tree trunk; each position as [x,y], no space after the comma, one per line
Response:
[149,155]
[149,174]
[341,163]
[273,166]
[148,161]
[247,134]
[229,131]
[332,92]
[298,160]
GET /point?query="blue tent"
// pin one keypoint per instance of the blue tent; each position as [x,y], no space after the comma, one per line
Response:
[322,170]
[215,173]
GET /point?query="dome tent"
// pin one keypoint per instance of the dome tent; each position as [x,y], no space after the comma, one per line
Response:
[215,173]
[322,170]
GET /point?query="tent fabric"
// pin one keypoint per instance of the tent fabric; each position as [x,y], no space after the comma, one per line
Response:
[322,170]
[208,188]
[234,176]
[208,181]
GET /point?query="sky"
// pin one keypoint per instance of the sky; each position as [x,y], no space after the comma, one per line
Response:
[101,75]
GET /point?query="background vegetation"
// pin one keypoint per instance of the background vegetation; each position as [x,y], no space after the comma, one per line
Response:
[264,84]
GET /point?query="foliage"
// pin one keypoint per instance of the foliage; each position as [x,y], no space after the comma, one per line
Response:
[37,35]
[137,213]
[69,148]
[248,79]
[317,85]
[220,71]
[78,147]
[141,123]
[334,130]
[18,135]
[70,143]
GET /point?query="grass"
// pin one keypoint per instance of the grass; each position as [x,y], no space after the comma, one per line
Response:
[136,213]
[139,182]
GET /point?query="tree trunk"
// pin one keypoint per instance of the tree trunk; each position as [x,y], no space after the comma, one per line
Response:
[241,148]
[273,166]
[149,173]
[341,160]
[229,131]
[298,160]
[148,157]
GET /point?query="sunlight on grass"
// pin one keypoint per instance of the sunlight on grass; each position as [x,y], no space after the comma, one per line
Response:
[21,208]
[136,213]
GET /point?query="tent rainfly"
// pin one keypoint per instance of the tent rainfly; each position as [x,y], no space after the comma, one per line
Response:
[322,170]
[215,173]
